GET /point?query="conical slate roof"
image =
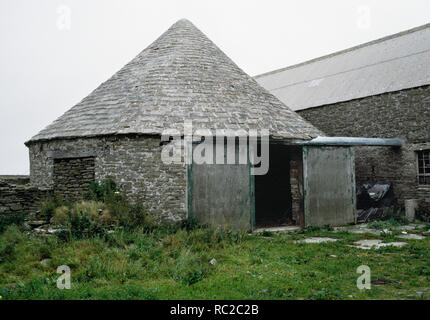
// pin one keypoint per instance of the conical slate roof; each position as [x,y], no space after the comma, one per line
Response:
[182,75]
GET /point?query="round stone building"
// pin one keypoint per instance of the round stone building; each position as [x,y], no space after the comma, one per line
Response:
[115,131]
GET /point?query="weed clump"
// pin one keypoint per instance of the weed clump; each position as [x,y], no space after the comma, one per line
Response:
[423,211]
[106,191]
[7,220]
[387,224]
[11,237]
[395,215]
[51,203]
[189,268]
[105,208]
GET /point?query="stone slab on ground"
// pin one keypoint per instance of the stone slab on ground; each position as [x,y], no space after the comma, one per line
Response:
[409,227]
[358,228]
[45,262]
[376,244]
[316,240]
[411,236]
[278,229]
[38,223]
[361,229]
[365,230]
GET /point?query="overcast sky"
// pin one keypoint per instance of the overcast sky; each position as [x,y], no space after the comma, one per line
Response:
[54,53]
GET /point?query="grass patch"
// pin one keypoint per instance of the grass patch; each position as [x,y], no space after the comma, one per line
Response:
[115,251]
[387,224]
[173,262]
[7,220]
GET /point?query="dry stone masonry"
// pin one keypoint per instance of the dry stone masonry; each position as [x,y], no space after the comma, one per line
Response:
[133,162]
[403,114]
[73,176]
[18,196]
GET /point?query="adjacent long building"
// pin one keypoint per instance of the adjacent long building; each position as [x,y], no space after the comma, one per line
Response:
[377,89]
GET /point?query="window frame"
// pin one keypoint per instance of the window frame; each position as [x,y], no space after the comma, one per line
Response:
[418,160]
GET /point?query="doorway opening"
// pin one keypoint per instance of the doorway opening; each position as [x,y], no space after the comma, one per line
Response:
[273,191]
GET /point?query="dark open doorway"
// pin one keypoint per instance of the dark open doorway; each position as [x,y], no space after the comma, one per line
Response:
[273,190]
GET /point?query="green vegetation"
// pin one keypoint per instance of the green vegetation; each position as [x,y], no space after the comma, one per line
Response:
[115,251]
[423,211]
[171,262]
[387,224]
[104,209]
[11,219]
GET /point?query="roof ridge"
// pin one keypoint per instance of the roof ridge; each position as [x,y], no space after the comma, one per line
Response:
[336,53]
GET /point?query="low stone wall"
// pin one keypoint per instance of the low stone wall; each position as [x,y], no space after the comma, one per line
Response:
[17,195]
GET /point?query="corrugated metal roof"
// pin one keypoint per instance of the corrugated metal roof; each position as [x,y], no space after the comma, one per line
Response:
[396,62]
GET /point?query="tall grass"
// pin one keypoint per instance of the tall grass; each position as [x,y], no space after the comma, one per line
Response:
[115,251]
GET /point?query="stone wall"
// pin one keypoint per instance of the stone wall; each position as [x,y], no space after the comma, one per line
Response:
[73,176]
[296,181]
[396,165]
[402,114]
[17,195]
[131,161]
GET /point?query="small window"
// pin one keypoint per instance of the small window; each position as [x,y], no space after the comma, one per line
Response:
[424,167]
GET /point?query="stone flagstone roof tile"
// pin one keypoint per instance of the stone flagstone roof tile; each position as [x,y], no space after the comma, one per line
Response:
[182,75]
